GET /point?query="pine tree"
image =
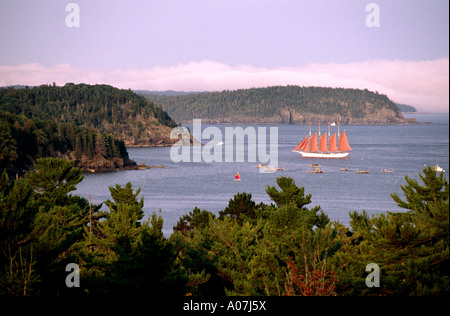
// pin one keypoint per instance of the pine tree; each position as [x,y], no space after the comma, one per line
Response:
[410,247]
[196,219]
[418,197]
[125,195]
[17,265]
[291,202]
[8,145]
[52,181]
[240,208]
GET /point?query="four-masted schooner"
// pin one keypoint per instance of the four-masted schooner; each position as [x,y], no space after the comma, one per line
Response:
[308,147]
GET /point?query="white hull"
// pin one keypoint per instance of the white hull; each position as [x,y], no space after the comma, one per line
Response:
[324,155]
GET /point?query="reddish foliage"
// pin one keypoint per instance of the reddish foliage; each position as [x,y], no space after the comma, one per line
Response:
[315,282]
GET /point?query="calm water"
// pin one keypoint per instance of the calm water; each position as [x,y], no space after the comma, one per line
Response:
[176,190]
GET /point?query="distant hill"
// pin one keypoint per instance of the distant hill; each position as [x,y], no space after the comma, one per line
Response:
[282,105]
[122,113]
[406,108]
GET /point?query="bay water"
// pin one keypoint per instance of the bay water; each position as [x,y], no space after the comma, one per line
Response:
[179,187]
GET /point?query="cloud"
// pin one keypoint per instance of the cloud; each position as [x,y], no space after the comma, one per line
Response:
[423,84]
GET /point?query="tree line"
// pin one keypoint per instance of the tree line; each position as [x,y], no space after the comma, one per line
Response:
[283,248]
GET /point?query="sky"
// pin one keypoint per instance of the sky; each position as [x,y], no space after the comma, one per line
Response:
[396,47]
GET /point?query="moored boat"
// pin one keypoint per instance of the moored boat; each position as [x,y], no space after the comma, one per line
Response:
[316,170]
[438,169]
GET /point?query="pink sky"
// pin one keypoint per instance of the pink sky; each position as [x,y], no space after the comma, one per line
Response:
[204,45]
[422,84]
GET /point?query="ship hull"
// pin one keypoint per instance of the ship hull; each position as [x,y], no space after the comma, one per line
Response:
[324,155]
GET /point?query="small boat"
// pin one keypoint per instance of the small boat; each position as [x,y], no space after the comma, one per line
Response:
[237,177]
[316,170]
[345,169]
[387,170]
[260,165]
[438,169]
[362,171]
[269,169]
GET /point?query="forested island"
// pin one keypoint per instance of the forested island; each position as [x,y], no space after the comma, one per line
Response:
[89,124]
[282,105]
[284,248]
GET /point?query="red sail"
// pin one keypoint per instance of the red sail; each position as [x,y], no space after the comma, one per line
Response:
[333,147]
[343,143]
[302,145]
[313,143]
[306,148]
[323,143]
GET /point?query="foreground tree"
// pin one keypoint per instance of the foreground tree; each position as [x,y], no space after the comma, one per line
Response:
[411,248]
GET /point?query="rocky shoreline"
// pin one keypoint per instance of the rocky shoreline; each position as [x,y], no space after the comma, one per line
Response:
[141,166]
[406,121]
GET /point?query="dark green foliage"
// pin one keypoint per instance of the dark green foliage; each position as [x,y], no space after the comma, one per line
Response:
[125,196]
[101,107]
[42,222]
[241,208]
[26,140]
[197,219]
[419,198]
[8,146]
[292,200]
[124,256]
[52,179]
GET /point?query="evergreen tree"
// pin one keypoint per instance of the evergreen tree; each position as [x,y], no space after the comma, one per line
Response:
[196,219]
[411,248]
[291,200]
[125,195]
[241,208]
[52,181]
[18,275]
[8,145]
[435,188]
